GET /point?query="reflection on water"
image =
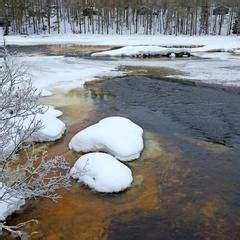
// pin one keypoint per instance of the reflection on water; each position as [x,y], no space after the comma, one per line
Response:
[76,104]
[185,186]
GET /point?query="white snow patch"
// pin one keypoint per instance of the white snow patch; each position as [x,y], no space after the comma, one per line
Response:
[102,172]
[46,93]
[52,128]
[8,203]
[140,51]
[115,135]
[52,111]
[50,72]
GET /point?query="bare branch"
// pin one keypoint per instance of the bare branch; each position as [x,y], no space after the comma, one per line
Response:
[31,176]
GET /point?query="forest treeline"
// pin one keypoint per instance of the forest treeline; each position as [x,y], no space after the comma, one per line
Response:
[174,17]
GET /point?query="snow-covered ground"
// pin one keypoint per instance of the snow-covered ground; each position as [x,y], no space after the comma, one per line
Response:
[207,42]
[116,135]
[102,172]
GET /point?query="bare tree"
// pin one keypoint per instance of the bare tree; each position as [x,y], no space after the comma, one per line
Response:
[33,175]
[122,17]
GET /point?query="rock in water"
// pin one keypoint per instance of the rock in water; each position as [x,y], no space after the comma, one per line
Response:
[102,172]
[117,136]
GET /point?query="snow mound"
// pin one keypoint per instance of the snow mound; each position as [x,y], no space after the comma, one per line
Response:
[102,172]
[8,203]
[115,135]
[141,51]
[52,128]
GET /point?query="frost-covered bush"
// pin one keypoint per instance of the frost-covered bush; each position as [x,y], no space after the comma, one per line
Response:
[33,175]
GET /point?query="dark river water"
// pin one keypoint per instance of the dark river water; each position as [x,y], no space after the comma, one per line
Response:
[201,123]
[186,183]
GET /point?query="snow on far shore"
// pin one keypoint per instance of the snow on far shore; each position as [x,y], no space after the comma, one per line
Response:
[115,135]
[8,203]
[140,51]
[207,43]
[102,172]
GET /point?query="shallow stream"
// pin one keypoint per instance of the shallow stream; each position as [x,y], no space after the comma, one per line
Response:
[186,183]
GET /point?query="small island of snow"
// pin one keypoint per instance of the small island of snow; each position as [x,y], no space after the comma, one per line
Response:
[102,172]
[117,136]
[143,51]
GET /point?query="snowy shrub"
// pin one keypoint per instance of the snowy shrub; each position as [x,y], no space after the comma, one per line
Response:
[33,175]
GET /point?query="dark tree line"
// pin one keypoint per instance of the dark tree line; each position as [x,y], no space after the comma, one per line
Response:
[193,17]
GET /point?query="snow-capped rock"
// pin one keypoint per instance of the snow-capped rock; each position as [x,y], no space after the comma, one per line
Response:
[102,172]
[8,203]
[142,51]
[51,127]
[117,136]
